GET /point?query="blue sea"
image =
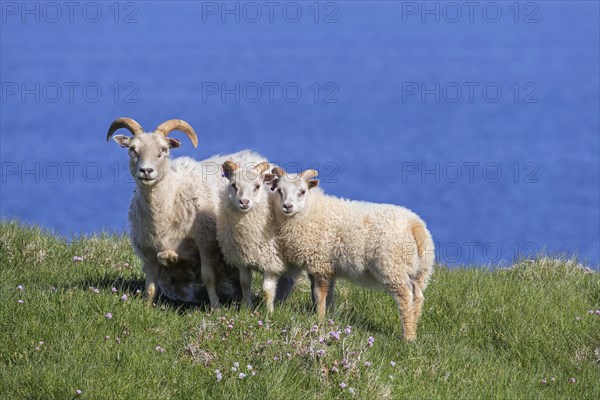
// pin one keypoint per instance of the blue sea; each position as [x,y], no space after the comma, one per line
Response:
[482,118]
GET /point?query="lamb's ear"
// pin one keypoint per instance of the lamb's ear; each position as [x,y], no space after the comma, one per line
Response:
[229,167]
[124,141]
[272,180]
[173,143]
[313,183]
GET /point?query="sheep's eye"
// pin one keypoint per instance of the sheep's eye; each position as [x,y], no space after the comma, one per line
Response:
[302,192]
[256,187]
[233,185]
[164,150]
[280,192]
[133,152]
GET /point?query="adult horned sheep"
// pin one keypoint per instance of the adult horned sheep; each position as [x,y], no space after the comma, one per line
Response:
[173,213]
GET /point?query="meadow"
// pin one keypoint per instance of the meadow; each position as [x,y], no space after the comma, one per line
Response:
[73,324]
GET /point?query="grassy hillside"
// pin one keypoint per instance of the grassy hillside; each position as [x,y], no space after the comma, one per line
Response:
[483,334]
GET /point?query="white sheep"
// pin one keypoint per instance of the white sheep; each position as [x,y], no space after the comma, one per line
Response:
[377,246]
[246,230]
[173,212]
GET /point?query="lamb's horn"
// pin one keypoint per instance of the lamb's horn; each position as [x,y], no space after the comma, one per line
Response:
[127,123]
[178,125]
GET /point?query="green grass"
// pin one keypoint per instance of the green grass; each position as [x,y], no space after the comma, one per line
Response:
[484,334]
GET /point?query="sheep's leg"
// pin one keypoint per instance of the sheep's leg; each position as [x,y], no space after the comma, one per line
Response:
[269,289]
[151,286]
[320,290]
[419,299]
[209,278]
[330,295]
[246,284]
[403,296]
[312,290]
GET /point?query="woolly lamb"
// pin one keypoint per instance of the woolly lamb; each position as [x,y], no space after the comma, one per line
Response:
[173,213]
[377,246]
[246,232]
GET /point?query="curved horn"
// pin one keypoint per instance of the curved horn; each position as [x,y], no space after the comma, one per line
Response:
[308,174]
[178,125]
[127,123]
[262,167]
[278,172]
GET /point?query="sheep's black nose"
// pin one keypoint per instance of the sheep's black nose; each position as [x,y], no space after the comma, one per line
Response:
[146,171]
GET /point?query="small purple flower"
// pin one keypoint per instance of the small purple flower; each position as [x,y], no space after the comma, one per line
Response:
[108,315]
[345,363]
[321,340]
[544,381]
[95,290]
[331,322]
[348,330]
[269,341]
[53,289]
[597,312]
[314,329]
[288,355]
[392,363]
[284,330]
[41,343]
[343,385]
[124,297]
[77,258]
[20,301]
[236,364]
[249,367]
[253,373]
[242,375]
[118,340]
[371,341]
[577,318]
[233,369]
[260,323]
[113,289]
[276,358]
[351,390]
[321,353]
[571,380]
[218,375]
[335,370]
[78,392]
[334,335]
[159,349]
[553,379]
[368,364]
[229,326]
[20,288]
[106,337]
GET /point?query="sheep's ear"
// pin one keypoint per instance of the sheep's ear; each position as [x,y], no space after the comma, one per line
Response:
[229,167]
[173,143]
[313,183]
[124,141]
[271,180]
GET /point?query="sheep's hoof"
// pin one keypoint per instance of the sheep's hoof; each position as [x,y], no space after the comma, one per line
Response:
[167,258]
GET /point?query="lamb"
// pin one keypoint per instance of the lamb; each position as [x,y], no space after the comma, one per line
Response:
[246,232]
[173,213]
[377,246]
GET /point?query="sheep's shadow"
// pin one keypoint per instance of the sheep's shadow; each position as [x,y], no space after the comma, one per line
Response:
[135,288]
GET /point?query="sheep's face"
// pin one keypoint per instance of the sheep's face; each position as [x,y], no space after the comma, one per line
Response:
[246,185]
[293,191]
[148,156]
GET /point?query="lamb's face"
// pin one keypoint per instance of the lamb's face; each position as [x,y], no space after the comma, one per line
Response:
[246,185]
[293,191]
[148,156]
